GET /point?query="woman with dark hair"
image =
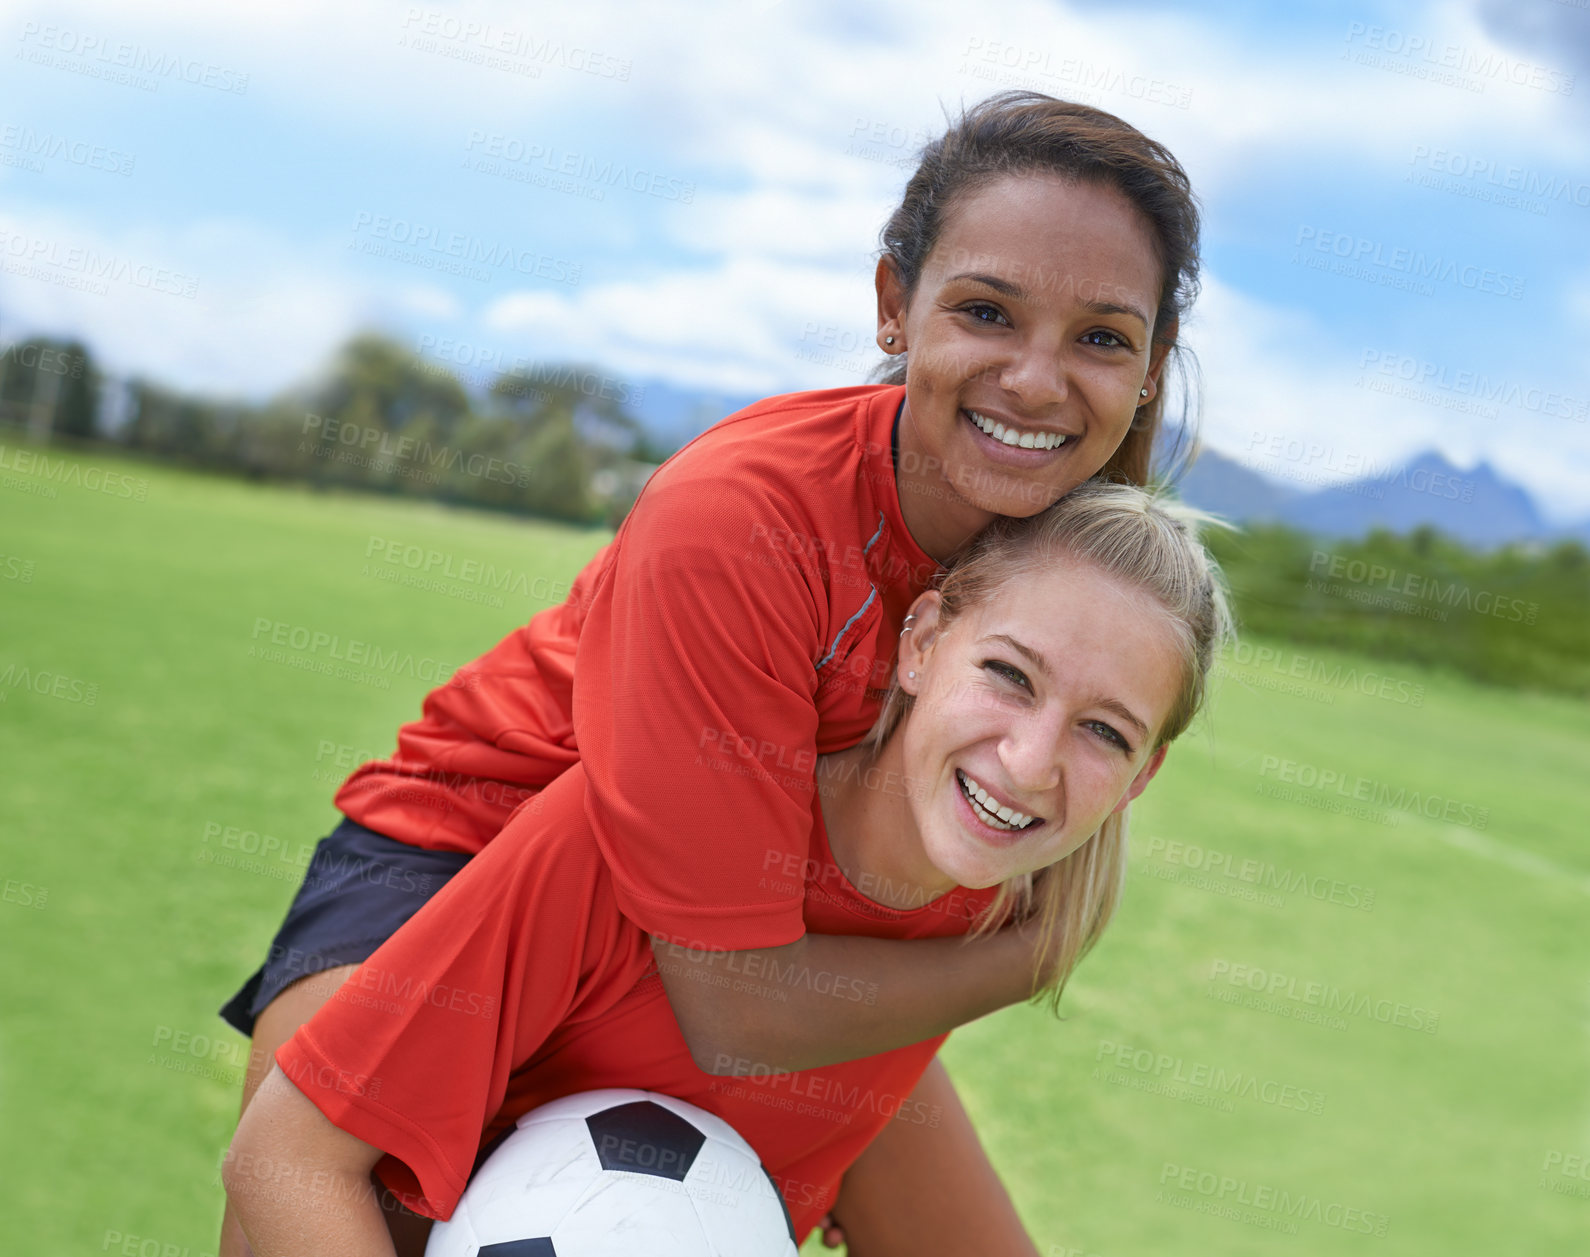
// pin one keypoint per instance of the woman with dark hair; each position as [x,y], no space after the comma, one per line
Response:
[744,619]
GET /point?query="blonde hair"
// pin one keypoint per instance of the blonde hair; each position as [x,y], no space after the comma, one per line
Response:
[1143,539]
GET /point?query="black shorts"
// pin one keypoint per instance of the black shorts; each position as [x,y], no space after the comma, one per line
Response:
[358,889]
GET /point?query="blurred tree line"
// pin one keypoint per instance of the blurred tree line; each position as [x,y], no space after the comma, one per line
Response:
[1519,615]
[554,440]
[50,387]
[561,441]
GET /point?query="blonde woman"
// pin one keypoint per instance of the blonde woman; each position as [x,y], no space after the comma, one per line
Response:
[1040,684]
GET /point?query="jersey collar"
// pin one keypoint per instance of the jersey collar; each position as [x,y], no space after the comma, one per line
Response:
[896,555]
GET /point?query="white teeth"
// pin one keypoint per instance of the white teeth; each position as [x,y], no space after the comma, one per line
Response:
[988,810]
[1010,436]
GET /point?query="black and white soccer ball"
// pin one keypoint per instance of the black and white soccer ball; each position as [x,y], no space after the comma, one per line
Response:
[618,1173]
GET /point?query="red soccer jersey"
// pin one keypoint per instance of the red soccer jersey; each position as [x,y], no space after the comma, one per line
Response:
[744,620]
[521,981]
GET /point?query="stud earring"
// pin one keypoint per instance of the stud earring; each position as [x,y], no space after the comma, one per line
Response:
[912,675]
[888,340]
[1143,391]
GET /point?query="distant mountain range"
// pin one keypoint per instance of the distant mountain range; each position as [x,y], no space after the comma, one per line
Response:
[1477,505]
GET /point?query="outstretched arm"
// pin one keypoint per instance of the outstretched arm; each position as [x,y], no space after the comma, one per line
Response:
[827,998]
[696,694]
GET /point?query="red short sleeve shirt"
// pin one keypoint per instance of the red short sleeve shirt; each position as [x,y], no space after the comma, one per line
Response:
[521,981]
[744,620]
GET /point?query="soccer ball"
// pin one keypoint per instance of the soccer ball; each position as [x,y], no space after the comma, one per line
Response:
[618,1173]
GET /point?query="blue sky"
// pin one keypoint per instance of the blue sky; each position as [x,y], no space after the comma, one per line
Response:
[229,211]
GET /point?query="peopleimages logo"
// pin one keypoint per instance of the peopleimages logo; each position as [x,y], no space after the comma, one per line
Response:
[317,650]
[1210,868]
[826,1097]
[1078,72]
[1366,258]
[1174,1072]
[39,145]
[1566,1174]
[1360,789]
[430,244]
[1453,167]
[432,29]
[1425,56]
[1270,1203]
[116,59]
[1292,665]
[366,445]
[1367,573]
[1273,985]
[41,257]
[21,677]
[487,148]
[429,566]
[1421,374]
[68,471]
[526,377]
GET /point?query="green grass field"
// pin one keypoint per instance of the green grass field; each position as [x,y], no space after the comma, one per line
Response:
[1417,1061]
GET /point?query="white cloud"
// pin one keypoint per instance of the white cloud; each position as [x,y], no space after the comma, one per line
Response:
[798,126]
[219,307]
[781,223]
[348,63]
[1274,377]
[736,327]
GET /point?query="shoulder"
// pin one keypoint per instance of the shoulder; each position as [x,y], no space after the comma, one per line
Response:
[790,462]
[778,442]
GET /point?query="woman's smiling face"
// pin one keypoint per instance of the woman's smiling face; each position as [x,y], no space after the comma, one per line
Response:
[1030,335]
[1045,701]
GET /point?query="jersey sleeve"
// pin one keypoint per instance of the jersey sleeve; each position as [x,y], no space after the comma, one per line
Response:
[695,711]
[413,1053]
